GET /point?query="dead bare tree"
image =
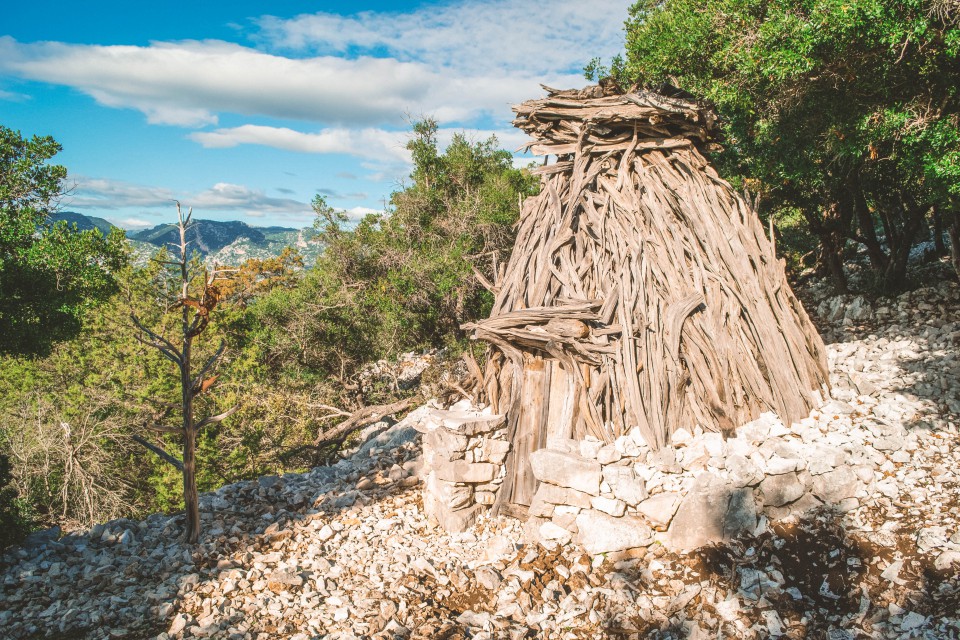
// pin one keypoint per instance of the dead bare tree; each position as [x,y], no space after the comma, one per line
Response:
[194,303]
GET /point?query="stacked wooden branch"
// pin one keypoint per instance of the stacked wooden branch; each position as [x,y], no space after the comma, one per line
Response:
[647,278]
[588,121]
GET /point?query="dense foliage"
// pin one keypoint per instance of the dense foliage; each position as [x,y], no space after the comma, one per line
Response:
[296,340]
[49,273]
[844,111]
[403,279]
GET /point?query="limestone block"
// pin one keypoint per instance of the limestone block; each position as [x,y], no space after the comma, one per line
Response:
[462,471]
[715,445]
[466,421]
[659,509]
[602,533]
[711,513]
[566,470]
[834,486]
[561,495]
[566,520]
[624,484]
[589,447]
[822,458]
[608,454]
[540,509]
[777,465]
[610,506]
[496,450]
[554,532]
[805,503]
[442,440]
[484,497]
[440,495]
[459,521]
[627,446]
[665,459]
[779,490]
[694,456]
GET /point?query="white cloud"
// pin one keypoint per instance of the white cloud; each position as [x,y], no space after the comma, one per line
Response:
[132,223]
[355,213]
[105,194]
[385,148]
[494,37]
[373,144]
[190,83]
[224,196]
[454,61]
[101,193]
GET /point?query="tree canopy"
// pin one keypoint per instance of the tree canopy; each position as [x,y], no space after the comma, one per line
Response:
[846,110]
[49,273]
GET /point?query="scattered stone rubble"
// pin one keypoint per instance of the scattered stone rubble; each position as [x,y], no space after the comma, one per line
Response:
[347,552]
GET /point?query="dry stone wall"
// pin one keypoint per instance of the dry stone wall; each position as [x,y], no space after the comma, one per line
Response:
[464,449]
[700,489]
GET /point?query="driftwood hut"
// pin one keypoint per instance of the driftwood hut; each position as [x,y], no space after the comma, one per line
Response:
[642,294]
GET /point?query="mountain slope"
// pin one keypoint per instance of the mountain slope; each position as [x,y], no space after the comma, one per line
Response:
[84,223]
[230,242]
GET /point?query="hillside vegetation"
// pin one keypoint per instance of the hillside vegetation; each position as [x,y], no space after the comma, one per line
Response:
[296,340]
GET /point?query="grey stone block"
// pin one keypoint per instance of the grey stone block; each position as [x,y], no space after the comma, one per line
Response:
[566,470]
[462,471]
[561,495]
[659,509]
[625,484]
[779,490]
[710,514]
[602,533]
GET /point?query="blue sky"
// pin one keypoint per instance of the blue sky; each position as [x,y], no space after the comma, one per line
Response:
[247,110]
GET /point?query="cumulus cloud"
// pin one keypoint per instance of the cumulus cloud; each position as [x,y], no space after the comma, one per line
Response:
[453,61]
[373,144]
[132,223]
[467,37]
[356,213]
[386,149]
[105,194]
[190,83]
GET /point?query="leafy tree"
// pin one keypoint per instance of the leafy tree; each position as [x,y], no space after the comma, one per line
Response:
[406,278]
[844,110]
[49,273]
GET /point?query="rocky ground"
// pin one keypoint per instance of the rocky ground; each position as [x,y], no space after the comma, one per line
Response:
[345,551]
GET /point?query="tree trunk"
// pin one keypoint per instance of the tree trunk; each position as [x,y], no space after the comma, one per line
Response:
[868,231]
[832,228]
[191,499]
[953,231]
[895,275]
[938,246]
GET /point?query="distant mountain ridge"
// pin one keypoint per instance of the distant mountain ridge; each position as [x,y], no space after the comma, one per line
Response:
[84,223]
[231,242]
